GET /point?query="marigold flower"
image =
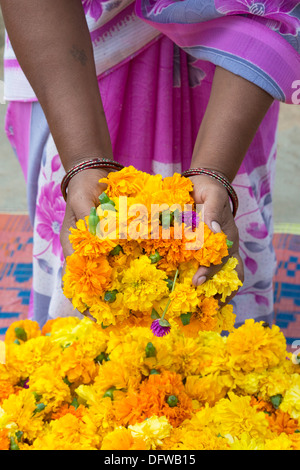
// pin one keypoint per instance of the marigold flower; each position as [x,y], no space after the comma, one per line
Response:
[122,439]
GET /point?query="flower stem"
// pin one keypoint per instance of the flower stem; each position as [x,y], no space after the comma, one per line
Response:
[169,301]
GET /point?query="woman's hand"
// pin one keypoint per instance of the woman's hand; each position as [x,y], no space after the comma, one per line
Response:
[83,193]
[217,214]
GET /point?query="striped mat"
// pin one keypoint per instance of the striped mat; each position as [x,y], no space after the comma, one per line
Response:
[16,274]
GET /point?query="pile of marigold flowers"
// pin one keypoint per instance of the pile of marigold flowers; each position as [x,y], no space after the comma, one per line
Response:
[76,386]
[135,257]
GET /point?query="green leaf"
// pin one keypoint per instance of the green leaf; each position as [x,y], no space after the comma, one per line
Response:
[155,258]
[229,243]
[103,198]
[116,250]
[13,444]
[154,314]
[110,296]
[150,350]
[21,334]
[164,323]
[276,400]
[39,407]
[185,318]
[93,221]
[102,357]
[75,403]
[109,393]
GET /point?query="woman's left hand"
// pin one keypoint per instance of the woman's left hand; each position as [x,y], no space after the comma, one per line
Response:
[217,214]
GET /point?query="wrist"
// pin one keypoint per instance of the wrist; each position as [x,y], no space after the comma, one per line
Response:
[93,169]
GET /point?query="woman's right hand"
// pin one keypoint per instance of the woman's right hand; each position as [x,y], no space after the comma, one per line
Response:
[83,193]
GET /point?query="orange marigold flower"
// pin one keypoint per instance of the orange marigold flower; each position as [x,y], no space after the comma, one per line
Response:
[86,243]
[159,395]
[6,389]
[66,408]
[122,439]
[282,422]
[4,440]
[214,247]
[86,279]
[261,405]
[22,330]
[126,182]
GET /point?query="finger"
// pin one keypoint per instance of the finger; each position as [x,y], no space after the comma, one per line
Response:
[204,273]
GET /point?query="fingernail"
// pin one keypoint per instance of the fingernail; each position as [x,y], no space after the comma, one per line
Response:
[216,227]
[201,280]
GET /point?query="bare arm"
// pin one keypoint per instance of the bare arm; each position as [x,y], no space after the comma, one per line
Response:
[53,46]
[235,111]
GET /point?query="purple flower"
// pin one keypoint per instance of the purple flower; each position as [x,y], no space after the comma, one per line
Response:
[278,13]
[93,8]
[191,219]
[159,330]
[25,384]
[50,213]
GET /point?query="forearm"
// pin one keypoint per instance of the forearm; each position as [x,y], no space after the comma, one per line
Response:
[233,116]
[52,43]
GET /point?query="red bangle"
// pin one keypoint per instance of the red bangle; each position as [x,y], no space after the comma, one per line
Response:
[217,176]
[86,165]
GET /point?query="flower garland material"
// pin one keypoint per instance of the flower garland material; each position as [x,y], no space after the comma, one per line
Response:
[136,254]
[153,372]
[76,386]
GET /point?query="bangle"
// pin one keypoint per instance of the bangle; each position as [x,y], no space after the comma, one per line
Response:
[86,165]
[217,176]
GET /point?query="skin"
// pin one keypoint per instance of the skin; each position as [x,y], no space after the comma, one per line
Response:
[61,70]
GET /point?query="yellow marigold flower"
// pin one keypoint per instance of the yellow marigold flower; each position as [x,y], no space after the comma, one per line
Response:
[253,347]
[153,431]
[86,279]
[119,375]
[291,399]
[281,442]
[209,388]
[234,415]
[58,327]
[224,282]
[68,433]
[122,439]
[184,299]
[20,414]
[75,366]
[109,313]
[274,381]
[246,442]
[22,330]
[143,284]
[226,319]
[248,383]
[47,384]
[23,360]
